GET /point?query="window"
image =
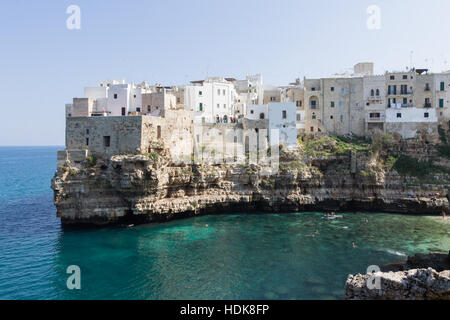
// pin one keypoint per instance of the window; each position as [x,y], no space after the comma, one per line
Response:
[343,91]
[106,141]
[87,131]
[252,111]
[375,115]
[218,105]
[405,77]
[332,88]
[442,86]
[218,92]
[158,132]
[178,100]
[223,91]
[299,117]
[403,89]
[331,117]
[298,103]
[138,109]
[426,115]
[313,116]
[312,129]
[261,116]
[441,103]
[200,106]
[342,118]
[200,93]
[284,114]
[399,115]
[224,106]
[378,92]
[134,96]
[313,104]
[123,111]
[313,89]
[149,108]
[87,141]
[405,100]
[272,98]
[372,92]
[392,77]
[427,87]
[115,95]
[332,104]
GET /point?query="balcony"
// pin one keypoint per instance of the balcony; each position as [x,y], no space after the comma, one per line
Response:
[427,105]
[374,98]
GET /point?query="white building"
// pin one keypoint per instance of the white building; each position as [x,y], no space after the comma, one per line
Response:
[211,100]
[282,119]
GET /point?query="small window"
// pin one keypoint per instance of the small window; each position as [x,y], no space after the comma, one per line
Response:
[138,109]
[313,89]
[332,104]
[342,118]
[87,141]
[218,92]
[298,103]
[332,88]
[405,77]
[115,95]
[442,86]
[372,92]
[106,141]
[158,132]
[378,92]
[135,96]
[87,131]
[223,92]
[149,108]
[200,106]
[272,98]
[284,114]
[331,117]
[252,111]
[426,115]
[123,111]
[392,77]
[224,106]
[441,103]
[200,93]
[313,116]
[261,116]
[343,91]
[312,129]
[399,115]
[299,117]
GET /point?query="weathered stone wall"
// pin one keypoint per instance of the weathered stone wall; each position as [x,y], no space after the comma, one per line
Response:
[124,135]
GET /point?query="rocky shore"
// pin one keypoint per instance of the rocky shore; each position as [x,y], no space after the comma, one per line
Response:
[421,277]
[149,187]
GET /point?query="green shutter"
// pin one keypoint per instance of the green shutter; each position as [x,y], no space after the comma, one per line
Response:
[442,86]
[201,106]
[441,103]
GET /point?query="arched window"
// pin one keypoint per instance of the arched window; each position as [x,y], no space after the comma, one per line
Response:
[261,116]
[372,92]
[378,92]
[313,116]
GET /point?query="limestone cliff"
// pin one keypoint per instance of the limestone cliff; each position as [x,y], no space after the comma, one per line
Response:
[149,187]
[421,277]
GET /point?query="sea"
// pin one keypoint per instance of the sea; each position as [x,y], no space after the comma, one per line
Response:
[292,255]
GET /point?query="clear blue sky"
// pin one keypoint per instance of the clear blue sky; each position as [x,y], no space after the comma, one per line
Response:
[44,65]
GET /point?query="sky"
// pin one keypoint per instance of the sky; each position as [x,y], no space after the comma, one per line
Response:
[43,64]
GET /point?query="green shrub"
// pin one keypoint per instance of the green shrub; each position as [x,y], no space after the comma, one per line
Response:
[92,160]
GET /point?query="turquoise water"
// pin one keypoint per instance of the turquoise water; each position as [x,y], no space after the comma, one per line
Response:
[236,256]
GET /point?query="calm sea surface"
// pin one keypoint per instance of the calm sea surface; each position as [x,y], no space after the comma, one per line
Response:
[236,256]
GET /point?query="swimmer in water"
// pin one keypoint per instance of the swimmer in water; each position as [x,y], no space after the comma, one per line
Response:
[353,245]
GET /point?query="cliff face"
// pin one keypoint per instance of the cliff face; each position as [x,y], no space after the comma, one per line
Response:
[145,188]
